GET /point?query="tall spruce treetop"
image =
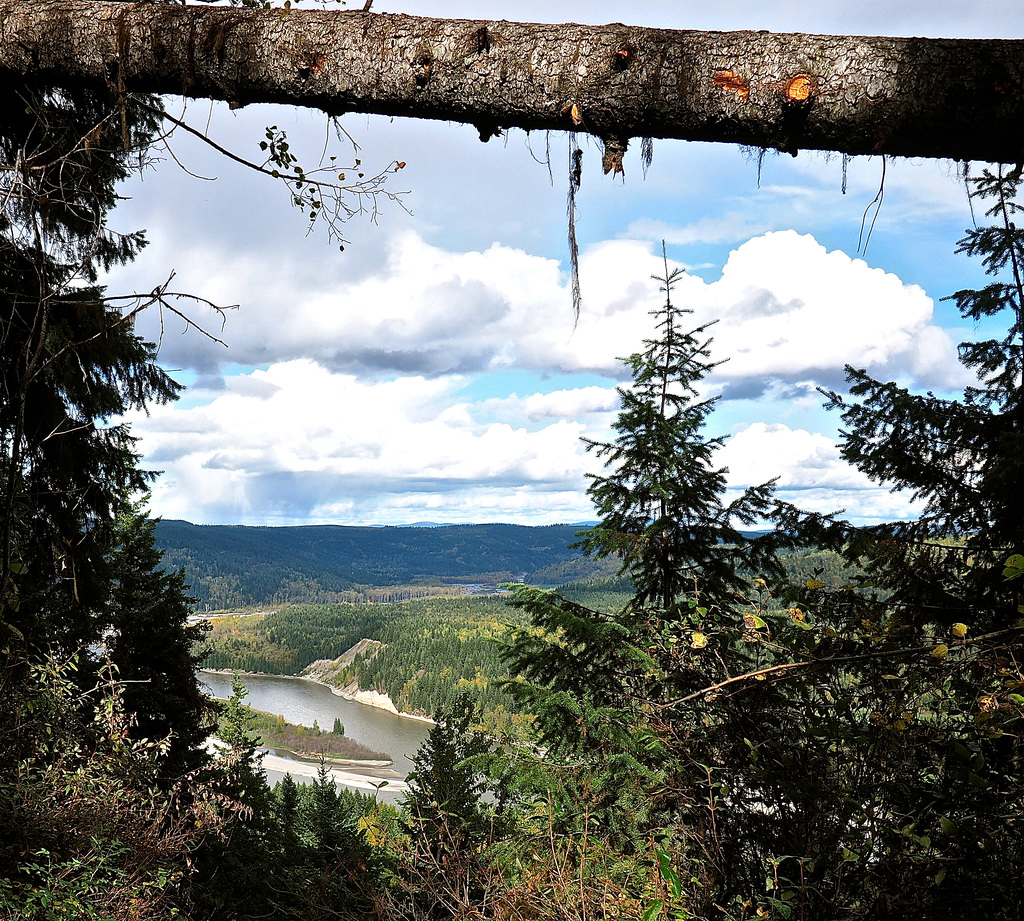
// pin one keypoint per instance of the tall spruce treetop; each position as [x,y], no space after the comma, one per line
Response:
[963,459]
[661,500]
[587,674]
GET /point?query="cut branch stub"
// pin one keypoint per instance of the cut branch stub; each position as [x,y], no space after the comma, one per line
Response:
[800,88]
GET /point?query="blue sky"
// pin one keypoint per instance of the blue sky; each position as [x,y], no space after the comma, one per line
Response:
[434,371]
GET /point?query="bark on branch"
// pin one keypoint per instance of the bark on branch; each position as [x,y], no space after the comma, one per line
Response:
[953,98]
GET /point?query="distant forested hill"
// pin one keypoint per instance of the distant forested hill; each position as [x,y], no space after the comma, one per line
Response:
[236,565]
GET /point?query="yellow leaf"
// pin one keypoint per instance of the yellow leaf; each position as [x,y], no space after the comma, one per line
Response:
[753,622]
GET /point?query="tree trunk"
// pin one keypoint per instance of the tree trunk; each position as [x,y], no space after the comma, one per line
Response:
[954,98]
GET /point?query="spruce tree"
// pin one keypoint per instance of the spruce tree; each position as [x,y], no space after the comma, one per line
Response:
[863,744]
[446,786]
[601,683]
[449,823]
[70,362]
[664,515]
[154,648]
[77,564]
[963,459]
[286,795]
[661,500]
[929,646]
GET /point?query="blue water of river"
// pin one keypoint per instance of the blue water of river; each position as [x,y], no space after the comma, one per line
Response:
[300,701]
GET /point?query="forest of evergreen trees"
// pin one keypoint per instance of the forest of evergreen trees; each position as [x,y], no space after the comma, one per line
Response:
[436,648]
[237,566]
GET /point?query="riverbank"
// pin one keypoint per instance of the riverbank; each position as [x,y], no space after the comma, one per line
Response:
[303,702]
[307,743]
[323,670]
[329,759]
[373,699]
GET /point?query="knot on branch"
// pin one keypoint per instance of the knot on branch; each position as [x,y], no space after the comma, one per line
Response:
[614,151]
[797,102]
[800,89]
[423,66]
[488,130]
[623,57]
[481,40]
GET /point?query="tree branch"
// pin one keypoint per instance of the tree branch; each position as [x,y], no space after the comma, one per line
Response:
[837,660]
[953,98]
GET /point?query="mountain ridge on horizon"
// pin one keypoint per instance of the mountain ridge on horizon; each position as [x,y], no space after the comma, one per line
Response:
[244,565]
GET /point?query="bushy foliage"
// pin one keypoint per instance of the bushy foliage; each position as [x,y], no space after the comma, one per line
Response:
[91,830]
[598,680]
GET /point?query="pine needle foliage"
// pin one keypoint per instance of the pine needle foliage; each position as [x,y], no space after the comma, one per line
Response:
[661,500]
[962,459]
[593,677]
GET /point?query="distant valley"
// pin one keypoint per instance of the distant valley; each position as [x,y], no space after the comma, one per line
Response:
[429,643]
[232,566]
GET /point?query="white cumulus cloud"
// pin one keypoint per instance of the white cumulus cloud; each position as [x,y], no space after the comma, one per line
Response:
[810,473]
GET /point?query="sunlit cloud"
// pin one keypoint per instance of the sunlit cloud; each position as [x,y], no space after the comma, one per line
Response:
[358,393]
[809,473]
[304,439]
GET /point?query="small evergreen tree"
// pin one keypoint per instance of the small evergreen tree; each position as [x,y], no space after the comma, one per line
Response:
[446,785]
[337,863]
[449,823]
[287,796]
[155,650]
[237,874]
[661,500]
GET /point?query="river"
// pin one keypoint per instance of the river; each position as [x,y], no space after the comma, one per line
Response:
[302,701]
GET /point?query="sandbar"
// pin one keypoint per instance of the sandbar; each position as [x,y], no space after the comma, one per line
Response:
[368,779]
